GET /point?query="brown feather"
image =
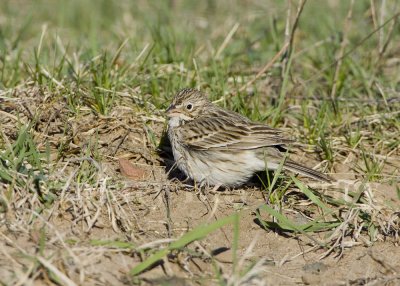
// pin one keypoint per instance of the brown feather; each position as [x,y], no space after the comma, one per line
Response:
[206,133]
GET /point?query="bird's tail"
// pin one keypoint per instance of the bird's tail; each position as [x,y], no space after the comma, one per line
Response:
[303,170]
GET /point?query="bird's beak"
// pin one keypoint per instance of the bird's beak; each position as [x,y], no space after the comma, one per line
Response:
[171,107]
[171,111]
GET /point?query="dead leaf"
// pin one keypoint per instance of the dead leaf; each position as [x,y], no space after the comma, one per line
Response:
[130,171]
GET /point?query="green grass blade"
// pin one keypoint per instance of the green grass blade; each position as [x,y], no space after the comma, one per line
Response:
[193,235]
[235,242]
[305,190]
[284,223]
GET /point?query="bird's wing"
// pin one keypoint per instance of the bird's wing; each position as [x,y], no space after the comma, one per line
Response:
[222,133]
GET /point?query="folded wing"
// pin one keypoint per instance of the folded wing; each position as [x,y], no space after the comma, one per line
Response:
[221,133]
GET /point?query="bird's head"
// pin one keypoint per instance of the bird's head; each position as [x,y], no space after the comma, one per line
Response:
[188,104]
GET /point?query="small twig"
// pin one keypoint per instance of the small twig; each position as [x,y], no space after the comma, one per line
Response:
[118,52]
[227,40]
[379,259]
[288,34]
[343,45]
[295,25]
[15,118]
[214,209]
[285,50]
[166,199]
[389,38]
[383,45]
[56,271]
[196,68]
[120,142]
[266,67]
[156,243]
[381,32]
[373,14]
[283,261]
[359,44]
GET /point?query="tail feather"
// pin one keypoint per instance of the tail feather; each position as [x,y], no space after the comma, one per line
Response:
[303,170]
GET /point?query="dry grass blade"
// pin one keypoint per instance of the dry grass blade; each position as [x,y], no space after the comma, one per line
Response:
[226,40]
[344,43]
[193,235]
[63,278]
[265,68]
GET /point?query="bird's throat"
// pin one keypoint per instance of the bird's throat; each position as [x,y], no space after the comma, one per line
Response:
[175,122]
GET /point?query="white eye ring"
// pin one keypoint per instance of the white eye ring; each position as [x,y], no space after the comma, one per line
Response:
[189,106]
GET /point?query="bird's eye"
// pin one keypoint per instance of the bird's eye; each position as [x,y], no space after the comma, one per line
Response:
[189,106]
